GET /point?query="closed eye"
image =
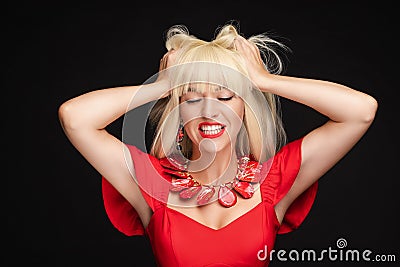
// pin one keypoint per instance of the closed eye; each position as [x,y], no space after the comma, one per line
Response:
[225,98]
[193,100]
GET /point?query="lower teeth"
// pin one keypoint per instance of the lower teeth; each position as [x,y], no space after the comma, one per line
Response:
[211,132]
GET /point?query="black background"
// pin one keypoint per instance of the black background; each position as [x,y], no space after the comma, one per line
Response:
[56,51]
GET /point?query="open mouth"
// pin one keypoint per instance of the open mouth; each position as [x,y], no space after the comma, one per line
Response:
[211,129]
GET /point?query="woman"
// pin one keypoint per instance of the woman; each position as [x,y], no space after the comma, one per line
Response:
[220,180]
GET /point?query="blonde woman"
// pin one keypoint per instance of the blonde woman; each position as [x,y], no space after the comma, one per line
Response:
[220,180]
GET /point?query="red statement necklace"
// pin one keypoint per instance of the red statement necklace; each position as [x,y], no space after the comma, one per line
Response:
[187,187]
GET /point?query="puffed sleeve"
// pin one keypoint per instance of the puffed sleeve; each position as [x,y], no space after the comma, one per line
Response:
[121,213]
[281,176]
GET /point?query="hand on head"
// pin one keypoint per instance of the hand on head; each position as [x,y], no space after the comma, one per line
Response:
[251,56]
[167,61]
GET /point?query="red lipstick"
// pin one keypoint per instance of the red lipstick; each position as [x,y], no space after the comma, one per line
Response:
[211,129]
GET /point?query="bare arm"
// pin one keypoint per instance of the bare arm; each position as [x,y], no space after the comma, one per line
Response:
[84,119]
[350,114]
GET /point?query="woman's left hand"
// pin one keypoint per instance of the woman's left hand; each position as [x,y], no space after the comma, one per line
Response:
[252,57]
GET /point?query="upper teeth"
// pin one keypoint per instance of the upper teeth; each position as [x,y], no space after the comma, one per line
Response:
[211,127]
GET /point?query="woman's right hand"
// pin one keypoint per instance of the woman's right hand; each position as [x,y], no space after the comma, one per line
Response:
[167,61]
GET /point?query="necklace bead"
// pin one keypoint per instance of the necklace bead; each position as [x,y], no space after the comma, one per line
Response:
[188,187]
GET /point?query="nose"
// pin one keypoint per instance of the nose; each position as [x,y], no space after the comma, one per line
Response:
[209,108]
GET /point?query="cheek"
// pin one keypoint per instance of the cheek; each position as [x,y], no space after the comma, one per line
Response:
[240,110]
[236,119]
[236,112]
[190,126]
[191,130]
[188,113]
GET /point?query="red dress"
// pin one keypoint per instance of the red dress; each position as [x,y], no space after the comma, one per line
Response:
[178,240]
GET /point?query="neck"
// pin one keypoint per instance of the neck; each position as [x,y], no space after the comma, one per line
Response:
[214,168]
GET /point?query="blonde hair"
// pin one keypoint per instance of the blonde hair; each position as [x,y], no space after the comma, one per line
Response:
[218,62]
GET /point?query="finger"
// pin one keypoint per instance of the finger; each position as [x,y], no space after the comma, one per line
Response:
[238,43]
[162,63]
[244,45]
[162,66]
[171,58]
[257,52]
[253,48]
[247,49]
[249,44]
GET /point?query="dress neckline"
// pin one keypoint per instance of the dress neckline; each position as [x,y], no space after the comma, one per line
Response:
[260,204]
[226,225]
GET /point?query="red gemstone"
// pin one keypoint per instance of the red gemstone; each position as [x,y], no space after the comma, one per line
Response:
[205,195]
[189,192]
[251,173]
[226,196]
[245,189]
[248,176]
[181,184]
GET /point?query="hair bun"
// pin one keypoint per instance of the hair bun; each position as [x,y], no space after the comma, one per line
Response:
[226,36]
[178,37]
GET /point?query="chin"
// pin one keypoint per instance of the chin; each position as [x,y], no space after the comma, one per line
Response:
[215,146]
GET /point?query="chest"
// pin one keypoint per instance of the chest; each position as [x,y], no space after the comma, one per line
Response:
[214,215]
